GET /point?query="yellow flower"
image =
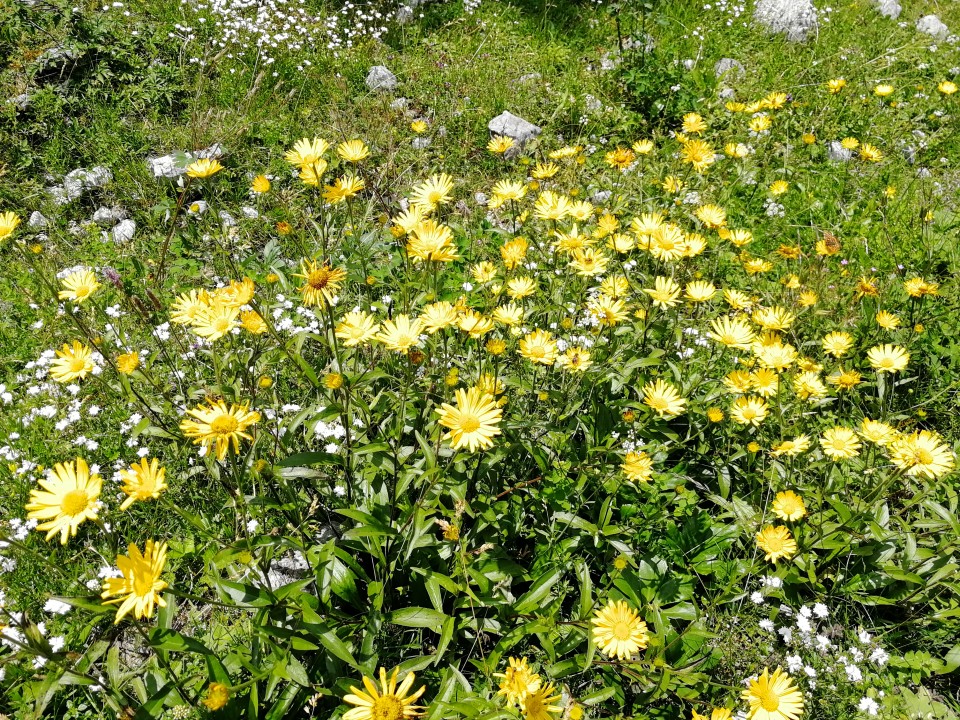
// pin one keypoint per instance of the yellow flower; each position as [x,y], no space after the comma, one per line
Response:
[78,286]
[698,154]
[773,697]
[539,347]
[545,171]
[883,90]
[251,321]
[495,346]
[438,316]
[513,252]
[850,143]
[419,126]
[664,292]
[713,216]
[236,294]
[787,505]
[215,322]
[837,343]
[388,702]
[877,432]
[664,399]
[551,206]
[69,495]
[731,332]
[715,415]
[791,448]
[693,123]
[333,381]
[220,426]
[887,320]
[261,184]
[637,466]
[518,680]
[343,188]
[888,358]
[760,123]
[218,695]
[73,362]
[699,291]
[870,153]
[541,704]
[188,306]
[844,379]
[621,158]
[749,411]
[8,223]
[128,363]
[779,187]
[474,422]
[840,443]
[575,360]
[353,151]
[947,87]
[139,587]
[618,630]
[312,174]
[922,454]
[776,542]
[307,152]
[808,138]
[401,333]
[589,262]
[499,144]
[643,147]
[204,168]
[474,324]
[835,86]
[807,298]
[431,240]
[436,190]
[143,481]
[322,282]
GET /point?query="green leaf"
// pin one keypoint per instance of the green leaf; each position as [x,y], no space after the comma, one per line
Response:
[538,592]
[417,617]
[166,639]
[305,459]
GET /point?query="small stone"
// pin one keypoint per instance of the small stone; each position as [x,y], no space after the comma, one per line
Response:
[22,101]
[420,143]
[107,216]
[600,197]
[924,173]
[910,154]
[512,126]
[399,103]
[77,182]
[227,219]
[529,78]
[175,164]
[729,68]
[797,19]
[123,232]
[37,220]
[726,93]
[481,199]
[57,59]
[889,8]
[249,212]
[838,153]
[933,26]
[58,195]
[380,79]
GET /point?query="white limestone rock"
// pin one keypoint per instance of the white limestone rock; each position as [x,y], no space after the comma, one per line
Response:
[797,19]
[512,126]
[933,26]
[380,79]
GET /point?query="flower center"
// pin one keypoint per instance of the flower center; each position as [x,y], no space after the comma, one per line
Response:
[469,423]
[839,444]
[537,351]
[319,278]
[142,583]
[657,403]
[886,362]
[81,292]
[923,457]
[386,707]
[78,365]
[622,630]
[75,502]
[224,425]
[768,699]
[774,544]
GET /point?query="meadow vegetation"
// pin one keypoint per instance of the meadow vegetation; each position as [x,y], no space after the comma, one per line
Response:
[323,401]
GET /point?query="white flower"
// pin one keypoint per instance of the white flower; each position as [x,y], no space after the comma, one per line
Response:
[853,673]
[57,607]
[869,706]
[821,610]
[757,598]
[794,663]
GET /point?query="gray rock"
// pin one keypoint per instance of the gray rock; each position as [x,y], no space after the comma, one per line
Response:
[57,195]
[57,59]
[400,103]
[420,143]
[37,220]
[924,173]
[175,164]
[529,78]
[481,198]
[933,26]
[380,79]
[227,219]
[107,216]
[77,182]
[726,93]
[838,153]
[249,212]
[509,125]
[732,69]
[797,19]
[600,197]
[21,102]
[889,8]
[910,154]
[123,232]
